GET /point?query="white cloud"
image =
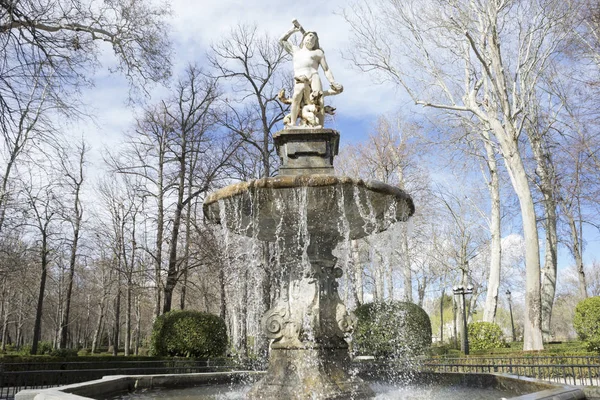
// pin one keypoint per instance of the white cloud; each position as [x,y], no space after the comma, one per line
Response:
[195,26]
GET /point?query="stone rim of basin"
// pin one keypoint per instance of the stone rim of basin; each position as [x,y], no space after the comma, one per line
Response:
[376,197]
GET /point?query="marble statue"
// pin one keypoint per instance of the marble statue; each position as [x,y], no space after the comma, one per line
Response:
[307,98]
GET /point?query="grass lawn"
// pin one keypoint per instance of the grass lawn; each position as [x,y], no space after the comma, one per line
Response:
[515,349]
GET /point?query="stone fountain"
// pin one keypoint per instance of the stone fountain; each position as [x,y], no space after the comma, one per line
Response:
[306,210]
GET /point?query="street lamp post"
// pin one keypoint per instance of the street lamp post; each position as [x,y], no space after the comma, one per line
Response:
[461,291]
[512,322]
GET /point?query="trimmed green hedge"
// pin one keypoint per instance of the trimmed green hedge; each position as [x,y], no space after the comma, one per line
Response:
[391,329]
[485,335]
[586,322]
[188,334]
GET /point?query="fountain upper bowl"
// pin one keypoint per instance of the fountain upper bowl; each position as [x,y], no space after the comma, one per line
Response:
[324,205]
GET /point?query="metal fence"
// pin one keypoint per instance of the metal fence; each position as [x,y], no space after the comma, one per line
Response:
[19,376]
[573,370]
[570,370]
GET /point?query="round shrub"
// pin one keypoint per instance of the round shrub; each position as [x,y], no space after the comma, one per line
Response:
[586,322]
[64,353]
[391,329]
[188,334]
[44,348]
[485,335]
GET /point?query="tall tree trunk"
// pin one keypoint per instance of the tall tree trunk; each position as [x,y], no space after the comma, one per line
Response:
[507,132]
[172,270]
[117,322]
[64,326]
[184,283]
[4,313]
[159,238]
[86,338]
[98,330]
[186,251]
[408,294]
[548,281]
[547,178]
[128,300]
[491,301]
[19,324]
[138,324]
[77,181]
[532,336]
[37,329]
[576,247]
[442,316]
[129,270]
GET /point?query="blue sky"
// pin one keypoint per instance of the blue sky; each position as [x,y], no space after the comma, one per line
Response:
[197,24]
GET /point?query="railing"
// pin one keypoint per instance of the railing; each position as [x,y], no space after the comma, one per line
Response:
[19,376]
[573,370]
[570,370]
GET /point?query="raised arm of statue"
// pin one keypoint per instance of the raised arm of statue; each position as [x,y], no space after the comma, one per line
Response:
[285,42]
[284,39]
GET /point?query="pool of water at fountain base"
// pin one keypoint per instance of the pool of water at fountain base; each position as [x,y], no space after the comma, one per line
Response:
[383,392]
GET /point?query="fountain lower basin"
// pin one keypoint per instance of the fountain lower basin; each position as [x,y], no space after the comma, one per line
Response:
[226,385]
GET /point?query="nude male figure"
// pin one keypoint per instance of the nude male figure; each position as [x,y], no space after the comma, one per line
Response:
[306,59]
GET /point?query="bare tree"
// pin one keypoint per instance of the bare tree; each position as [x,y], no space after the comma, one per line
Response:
[538,131]
[493,182]
[180,155]
[74,174]
[145,155]
[390,156]
[192,119]
[27,121]
[419,46]
[251,62]
[63,38]
[44,209]
[50,49]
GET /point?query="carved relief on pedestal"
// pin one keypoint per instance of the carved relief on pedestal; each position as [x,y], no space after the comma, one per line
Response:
[338,322]
[284,328]
[310,311]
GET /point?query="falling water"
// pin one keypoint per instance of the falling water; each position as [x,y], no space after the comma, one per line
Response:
[308,219]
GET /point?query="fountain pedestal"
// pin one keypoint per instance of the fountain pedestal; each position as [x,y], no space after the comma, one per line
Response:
[308,325]
[306,151]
